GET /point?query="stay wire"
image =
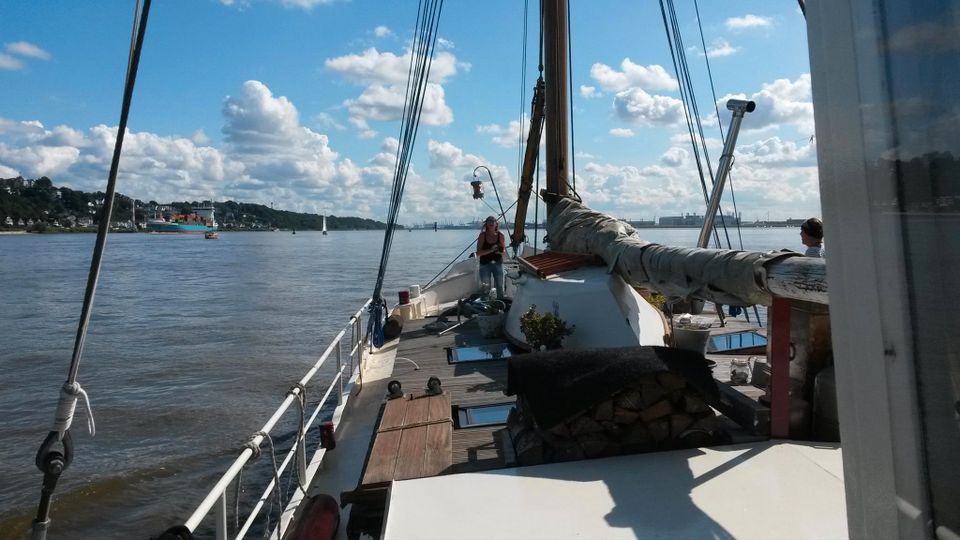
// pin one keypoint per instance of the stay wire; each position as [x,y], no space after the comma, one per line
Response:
[682,55]
[96,262]
[685,89]
[421,52]
[716,108]
[523,88]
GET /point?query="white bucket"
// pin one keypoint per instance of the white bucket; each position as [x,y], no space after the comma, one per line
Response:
[414,291]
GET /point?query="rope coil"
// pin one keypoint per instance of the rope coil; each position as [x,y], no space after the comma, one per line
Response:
[66,406]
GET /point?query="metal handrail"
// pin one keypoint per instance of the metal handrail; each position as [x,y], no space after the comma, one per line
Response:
[218,494]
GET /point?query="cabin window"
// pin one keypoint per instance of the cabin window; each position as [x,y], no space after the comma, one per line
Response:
[482,415]
[478,353]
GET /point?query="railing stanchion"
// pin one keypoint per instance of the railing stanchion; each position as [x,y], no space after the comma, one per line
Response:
[222,517]
[340,370]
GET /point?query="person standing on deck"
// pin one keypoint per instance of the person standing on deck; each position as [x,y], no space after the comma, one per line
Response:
[811,234]
[491,245]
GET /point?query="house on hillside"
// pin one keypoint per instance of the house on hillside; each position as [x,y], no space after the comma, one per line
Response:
[9,221]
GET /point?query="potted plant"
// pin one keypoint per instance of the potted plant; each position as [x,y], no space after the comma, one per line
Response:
[544,331]
[491,320]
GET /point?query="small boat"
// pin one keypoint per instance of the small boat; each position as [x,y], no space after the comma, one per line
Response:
[211,235]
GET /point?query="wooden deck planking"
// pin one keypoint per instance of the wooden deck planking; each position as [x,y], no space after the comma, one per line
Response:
[467,384]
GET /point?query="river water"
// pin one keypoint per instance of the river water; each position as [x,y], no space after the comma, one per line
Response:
[192,345]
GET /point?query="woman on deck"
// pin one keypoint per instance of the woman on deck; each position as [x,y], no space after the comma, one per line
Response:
[491,246]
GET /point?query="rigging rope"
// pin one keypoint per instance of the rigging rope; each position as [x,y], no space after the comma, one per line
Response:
[51,461]
[523,88]
[681,48]
[418,74]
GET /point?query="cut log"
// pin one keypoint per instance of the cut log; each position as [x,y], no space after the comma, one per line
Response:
[583,425]
[679,423]
[529,447]
[670,381]
[651,391]
[593,444]
[629,399]
[659,409]
[566,450]
[693,404]
[625,416]
[659,429]
[603,411]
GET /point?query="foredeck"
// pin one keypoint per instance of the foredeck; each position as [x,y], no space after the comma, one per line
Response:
[467,384]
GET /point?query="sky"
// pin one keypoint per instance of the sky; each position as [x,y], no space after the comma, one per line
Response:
[297,103]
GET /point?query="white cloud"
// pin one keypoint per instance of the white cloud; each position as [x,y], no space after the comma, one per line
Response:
[621,132]
[10,63]
[327,121]
[385,77]
[781,102]
[509,136]
[372,66]
[641,108]
[382,31]
[266,156]
[721,47]
[748,21]
[652,77]
[24,48]
[305,4]
[775,151]
[674,157]
[589,92]
[200,138]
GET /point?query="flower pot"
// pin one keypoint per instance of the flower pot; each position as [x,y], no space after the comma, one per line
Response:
[490,324]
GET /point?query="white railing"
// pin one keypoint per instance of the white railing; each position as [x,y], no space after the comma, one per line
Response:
[217,497]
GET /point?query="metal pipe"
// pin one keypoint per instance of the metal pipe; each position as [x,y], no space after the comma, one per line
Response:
[495,192]
[739,108]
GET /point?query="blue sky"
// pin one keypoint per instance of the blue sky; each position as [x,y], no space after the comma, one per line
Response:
[295,102]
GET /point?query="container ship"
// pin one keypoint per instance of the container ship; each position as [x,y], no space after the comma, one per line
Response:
[198,221]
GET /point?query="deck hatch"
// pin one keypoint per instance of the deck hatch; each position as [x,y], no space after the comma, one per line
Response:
[482,415]
[478,353]
[736,341]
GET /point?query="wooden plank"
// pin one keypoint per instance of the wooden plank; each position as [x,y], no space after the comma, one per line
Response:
[393,413]
[410,456]
[439,407]
[383,458]
[418,411]
[438,456]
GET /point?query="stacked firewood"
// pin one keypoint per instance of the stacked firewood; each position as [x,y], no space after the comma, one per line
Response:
[659,411]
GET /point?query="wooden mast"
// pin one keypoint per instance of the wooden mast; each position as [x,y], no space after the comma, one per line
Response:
[555,75]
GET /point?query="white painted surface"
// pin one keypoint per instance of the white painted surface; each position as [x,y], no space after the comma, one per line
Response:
[606,311]
[768,490]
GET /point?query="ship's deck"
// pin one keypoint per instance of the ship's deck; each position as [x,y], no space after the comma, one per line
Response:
[420,354]
[468,383]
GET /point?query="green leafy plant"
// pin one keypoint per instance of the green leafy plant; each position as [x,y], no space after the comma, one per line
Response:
[544,330]
[494,306]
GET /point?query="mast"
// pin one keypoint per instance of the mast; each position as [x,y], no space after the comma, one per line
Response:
[555,74]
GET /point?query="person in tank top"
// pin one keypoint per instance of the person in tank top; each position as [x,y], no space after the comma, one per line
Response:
[491,245]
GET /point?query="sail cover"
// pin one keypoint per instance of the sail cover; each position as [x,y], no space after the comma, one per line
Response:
[729,277]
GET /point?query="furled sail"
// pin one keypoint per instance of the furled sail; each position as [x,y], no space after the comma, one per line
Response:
[729,277]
